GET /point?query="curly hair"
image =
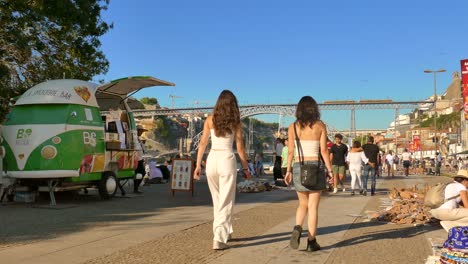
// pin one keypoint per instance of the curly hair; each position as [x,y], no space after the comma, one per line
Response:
[226,116]
[307,112]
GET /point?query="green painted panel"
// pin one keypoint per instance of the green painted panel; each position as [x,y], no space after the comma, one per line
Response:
[70,151]
[86,177]
[9,162]
[54,114]
[126,174]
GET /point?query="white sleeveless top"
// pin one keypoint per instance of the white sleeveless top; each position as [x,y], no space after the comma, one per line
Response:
[221,143]
[310,148]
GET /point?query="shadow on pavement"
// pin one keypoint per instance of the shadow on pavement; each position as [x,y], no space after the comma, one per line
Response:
[25,223]
[394,233]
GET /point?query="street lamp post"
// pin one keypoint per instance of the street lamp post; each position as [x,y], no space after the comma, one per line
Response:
[435,101]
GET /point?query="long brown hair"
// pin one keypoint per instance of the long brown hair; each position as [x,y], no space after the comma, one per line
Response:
[307,112]
[226,116]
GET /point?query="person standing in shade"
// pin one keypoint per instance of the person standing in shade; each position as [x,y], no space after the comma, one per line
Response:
[277,174]
[140,170]
[224,126]
[372,152]
[312,135]
[284,158]
[338,154]
[406,157]
[438,163]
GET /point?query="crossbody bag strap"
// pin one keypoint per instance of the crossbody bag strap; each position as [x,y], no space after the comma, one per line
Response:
[451,198]
[298,145]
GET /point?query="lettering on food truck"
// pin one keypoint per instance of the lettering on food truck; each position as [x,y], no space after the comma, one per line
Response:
[49,92]
[23,136]
[89,138]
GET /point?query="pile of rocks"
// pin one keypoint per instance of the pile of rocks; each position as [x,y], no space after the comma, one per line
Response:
[249,186]
[406,206]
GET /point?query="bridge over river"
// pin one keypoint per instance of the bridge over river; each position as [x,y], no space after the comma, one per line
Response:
[289,110]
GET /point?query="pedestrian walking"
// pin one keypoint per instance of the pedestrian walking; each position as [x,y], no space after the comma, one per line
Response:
[284,164]
[312,135]
[140,170]
[389,162]
[355,159]
[259,165]
[406,157]
[372,152]
[224,127]
[277,174]
[438,163]
[338,154]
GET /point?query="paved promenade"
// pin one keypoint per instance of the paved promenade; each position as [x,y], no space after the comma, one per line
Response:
[158,228]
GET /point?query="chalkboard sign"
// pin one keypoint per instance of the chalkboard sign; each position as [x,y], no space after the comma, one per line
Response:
[182,175]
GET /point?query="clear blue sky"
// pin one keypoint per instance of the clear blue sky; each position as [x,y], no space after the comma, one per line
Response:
[277,51]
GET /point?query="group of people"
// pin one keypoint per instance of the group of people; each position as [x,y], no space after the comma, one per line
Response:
[361,160]
[224,128]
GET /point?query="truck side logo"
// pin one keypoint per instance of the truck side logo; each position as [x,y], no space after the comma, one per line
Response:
[89,138]
[23,136]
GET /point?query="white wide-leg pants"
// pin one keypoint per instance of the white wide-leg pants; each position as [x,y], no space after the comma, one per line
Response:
[355,172]
[221,172]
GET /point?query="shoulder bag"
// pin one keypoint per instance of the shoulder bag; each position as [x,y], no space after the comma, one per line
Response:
[312,175]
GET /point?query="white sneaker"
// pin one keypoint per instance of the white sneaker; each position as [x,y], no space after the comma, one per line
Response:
[344,189]
[219,245]
[335,190]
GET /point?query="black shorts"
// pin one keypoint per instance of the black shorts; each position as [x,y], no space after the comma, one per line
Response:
[406,163]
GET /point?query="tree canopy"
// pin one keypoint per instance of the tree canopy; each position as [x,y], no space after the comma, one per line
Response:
[149,100]
[49,39]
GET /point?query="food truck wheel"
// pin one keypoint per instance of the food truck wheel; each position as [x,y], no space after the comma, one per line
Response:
[107,185]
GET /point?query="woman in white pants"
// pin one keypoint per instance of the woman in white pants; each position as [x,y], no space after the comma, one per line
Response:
[454,212]
[355,159]
[221,167]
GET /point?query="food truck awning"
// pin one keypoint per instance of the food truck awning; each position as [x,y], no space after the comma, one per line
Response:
[125,87]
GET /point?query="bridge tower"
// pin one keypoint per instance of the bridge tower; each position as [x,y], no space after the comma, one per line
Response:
[353,122]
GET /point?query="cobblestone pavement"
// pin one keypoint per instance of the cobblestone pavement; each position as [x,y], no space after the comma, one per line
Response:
[158,229]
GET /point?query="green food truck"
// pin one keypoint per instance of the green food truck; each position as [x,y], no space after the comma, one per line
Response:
[70,134]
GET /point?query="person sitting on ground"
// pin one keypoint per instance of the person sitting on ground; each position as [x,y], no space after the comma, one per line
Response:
[155,174]
[454,212]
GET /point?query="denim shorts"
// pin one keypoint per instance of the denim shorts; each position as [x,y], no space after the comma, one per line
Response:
[297,176]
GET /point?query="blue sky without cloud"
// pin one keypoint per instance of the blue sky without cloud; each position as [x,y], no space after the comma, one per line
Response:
[278,51]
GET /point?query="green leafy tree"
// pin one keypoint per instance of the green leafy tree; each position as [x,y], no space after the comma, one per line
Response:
[149,101]
[49,39]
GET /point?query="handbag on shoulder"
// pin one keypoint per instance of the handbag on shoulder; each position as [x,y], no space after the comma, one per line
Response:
[312,175]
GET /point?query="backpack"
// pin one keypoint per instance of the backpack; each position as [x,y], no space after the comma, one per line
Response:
[435,197]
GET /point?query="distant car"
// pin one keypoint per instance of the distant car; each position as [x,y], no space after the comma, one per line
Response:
[268,166]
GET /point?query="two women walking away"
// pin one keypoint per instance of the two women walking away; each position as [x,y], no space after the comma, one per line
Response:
[224,127]
[312,134]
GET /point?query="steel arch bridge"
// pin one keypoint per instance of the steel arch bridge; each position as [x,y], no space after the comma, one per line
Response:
[266,109]
[289,110]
